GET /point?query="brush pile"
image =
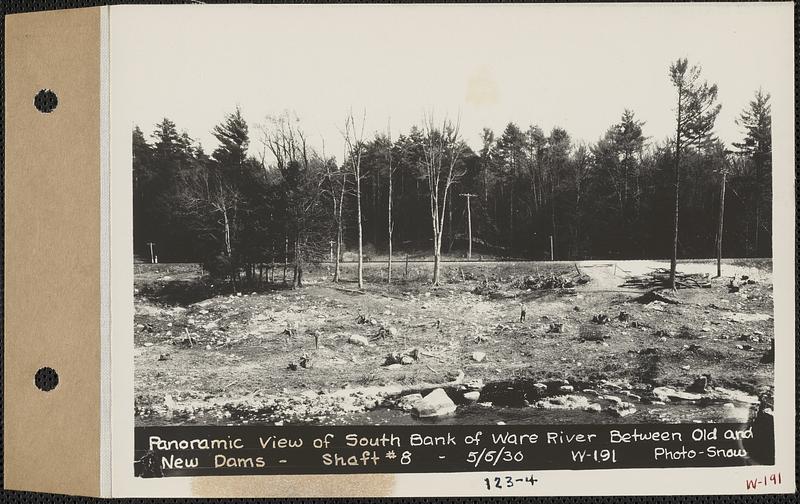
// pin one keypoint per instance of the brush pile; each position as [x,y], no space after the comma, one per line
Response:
[659,278]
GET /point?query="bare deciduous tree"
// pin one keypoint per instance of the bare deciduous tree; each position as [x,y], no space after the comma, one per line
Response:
[353,138]
[442,149]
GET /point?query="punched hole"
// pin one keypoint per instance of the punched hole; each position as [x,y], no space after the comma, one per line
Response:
[46,379]
[45,101]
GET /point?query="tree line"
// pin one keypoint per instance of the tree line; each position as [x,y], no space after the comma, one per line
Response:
[531,194]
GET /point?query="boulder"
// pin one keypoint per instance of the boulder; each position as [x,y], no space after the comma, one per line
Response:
[670,393]
[356,339]
[566,389]
[472,396]
[435,404]
[478,356]
[541,388]
[407,402]
[406,360]
[622,410]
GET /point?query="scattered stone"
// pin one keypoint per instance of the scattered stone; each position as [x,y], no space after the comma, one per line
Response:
[407,402]
[164,357]
[600,318]
[563,402]
[472,396]
[148,344]
[437,403]
[406,360]
[624,316]
[668,393]
[474,384]
[566,389]
[394,366]
[555,327]
[594,407]
[622,410]
[591,392]
[612,399]
[358,340]
[478,356]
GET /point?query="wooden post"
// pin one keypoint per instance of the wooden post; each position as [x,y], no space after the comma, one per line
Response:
[469,224]
[406,273]
[152,256]
[551,248]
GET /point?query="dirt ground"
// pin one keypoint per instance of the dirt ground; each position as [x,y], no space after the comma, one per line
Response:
[281,355]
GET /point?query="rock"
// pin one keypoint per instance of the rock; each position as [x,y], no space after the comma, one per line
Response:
[622,410]
[437,403]
[612,399]
[472,396]
[392,331]
[541,388]
[478,356]
[591,392]
[148,344]
[624,316]
[594,407]
[456,377]
[358,340]
[474,384]
[164,357]
[406,360]
[669,393]
[407,402]
[563,402]
[566,389]
[555,328]
[393,366]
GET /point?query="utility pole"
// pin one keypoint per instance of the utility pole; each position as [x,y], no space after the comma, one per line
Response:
[152,257]
[469,223]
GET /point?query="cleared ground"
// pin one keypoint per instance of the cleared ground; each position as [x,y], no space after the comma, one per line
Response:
[282,355]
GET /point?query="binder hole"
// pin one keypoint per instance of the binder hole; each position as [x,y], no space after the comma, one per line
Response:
[45,101]
[46,379]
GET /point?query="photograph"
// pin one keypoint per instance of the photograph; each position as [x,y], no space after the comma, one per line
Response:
[451,215]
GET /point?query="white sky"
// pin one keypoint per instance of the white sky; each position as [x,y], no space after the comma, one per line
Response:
[575,66]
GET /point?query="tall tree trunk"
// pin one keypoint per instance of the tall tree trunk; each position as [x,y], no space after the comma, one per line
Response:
[719,230]
[437,244]
[673,264]
[360,236]
[390,222]
[339,237]
[758,208]
[285,256]
[228,249]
